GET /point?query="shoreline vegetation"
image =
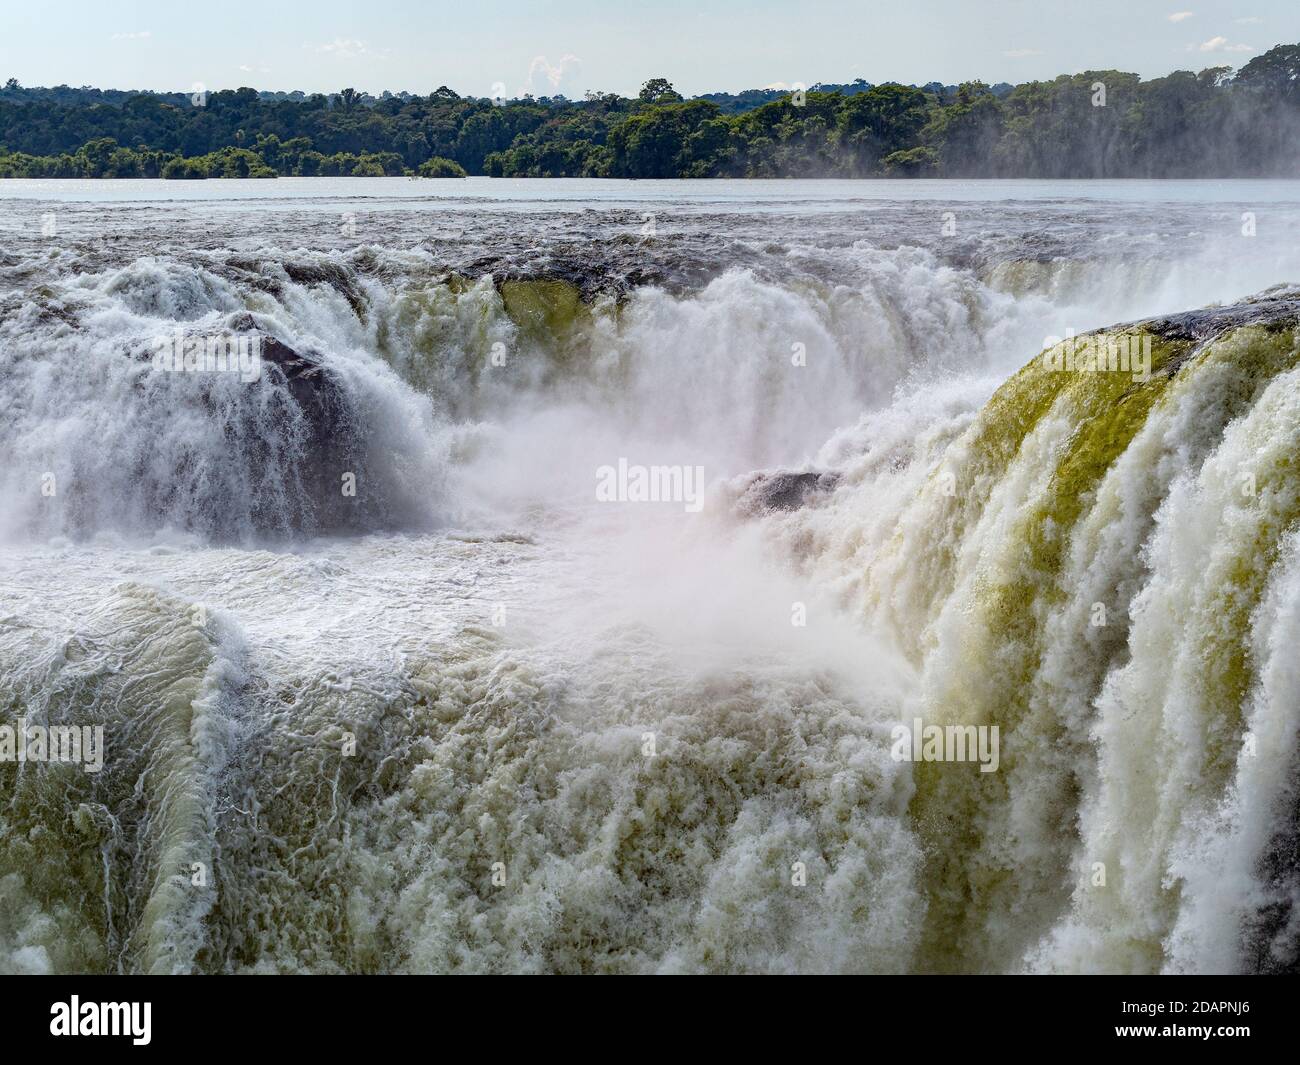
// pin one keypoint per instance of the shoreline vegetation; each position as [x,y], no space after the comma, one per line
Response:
[1096,124]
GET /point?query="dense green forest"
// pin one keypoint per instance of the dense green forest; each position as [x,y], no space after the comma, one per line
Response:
[1098,124]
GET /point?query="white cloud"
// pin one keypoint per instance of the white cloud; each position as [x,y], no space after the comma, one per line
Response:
[1220,44]
[1249,20]
[350,48]
[143,35]
[1021,53]
[1181,16]
[553,74]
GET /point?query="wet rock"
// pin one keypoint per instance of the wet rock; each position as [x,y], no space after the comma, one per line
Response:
[1275,308]
[305,463]
[784,490]
[334,274]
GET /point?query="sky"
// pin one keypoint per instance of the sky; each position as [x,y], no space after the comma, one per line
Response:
[512,47]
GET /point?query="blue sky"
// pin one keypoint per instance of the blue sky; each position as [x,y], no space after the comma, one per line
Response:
[549,46]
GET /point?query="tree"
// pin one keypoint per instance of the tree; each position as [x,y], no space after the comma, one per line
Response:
[93,157]
[965,134]
[881,121]
[915,162]
[650,144]
[437,167]
[1276,72]
[659,91]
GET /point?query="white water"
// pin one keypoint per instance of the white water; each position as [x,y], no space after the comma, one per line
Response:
[500,644]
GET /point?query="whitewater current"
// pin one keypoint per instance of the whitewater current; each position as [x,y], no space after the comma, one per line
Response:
[387,685]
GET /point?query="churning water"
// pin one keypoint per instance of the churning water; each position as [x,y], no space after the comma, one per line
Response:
[388,683]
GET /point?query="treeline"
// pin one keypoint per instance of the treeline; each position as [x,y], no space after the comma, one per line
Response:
[103,157]
[1091,125]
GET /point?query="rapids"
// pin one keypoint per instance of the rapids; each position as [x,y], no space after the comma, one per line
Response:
[469,717]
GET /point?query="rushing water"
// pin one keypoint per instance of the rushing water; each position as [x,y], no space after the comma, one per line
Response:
[471,718]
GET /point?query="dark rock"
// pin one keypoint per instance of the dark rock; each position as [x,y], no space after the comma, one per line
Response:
[335,275]
[306,465]
[784,490]
[1275,309]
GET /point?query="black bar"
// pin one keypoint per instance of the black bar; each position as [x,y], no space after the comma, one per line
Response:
[977,1014]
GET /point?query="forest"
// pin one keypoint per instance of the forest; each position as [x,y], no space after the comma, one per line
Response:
[1098,124]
